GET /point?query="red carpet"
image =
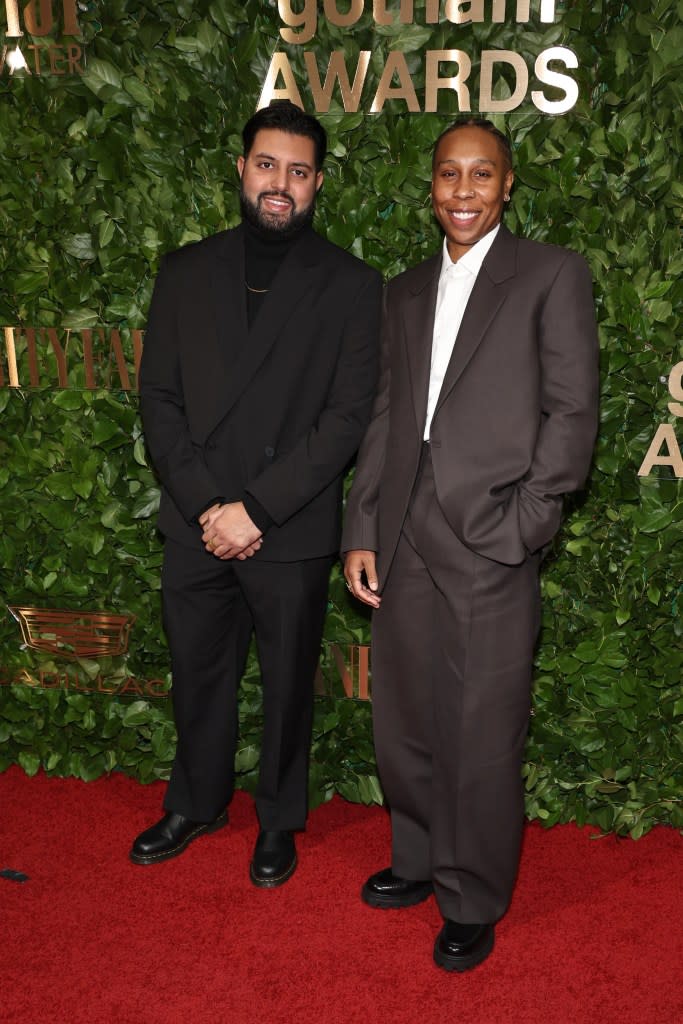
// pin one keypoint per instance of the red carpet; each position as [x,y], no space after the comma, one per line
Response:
[594,934]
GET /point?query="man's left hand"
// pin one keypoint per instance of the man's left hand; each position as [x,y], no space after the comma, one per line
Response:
[229,531]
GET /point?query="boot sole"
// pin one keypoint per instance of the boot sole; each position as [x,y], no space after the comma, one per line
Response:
[396,902]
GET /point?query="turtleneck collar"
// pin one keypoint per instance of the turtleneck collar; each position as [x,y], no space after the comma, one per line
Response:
[263,255]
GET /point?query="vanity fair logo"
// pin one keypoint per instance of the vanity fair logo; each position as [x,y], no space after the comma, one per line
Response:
[92,358]
[39,38]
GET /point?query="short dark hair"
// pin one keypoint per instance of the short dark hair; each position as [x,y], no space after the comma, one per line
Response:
[285,116]
[478,122]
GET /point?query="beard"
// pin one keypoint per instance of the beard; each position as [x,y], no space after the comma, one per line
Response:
[273,227]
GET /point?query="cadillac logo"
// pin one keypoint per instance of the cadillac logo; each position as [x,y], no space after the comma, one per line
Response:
[74,634]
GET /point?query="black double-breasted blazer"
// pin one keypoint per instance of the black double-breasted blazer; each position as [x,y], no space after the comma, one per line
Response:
[277,410]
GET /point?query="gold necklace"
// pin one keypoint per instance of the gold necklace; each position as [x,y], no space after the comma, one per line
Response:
[256,291]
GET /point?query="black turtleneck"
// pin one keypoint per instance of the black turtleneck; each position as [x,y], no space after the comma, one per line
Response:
[263,254]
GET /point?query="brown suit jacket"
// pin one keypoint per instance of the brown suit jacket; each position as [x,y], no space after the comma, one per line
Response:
[516,419]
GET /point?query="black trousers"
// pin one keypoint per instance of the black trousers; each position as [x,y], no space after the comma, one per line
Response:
[210,609]
[452,654]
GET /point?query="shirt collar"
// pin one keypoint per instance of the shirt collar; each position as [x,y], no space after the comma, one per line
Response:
[474,257]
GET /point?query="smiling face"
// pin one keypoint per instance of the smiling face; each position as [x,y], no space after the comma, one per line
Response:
[470,180]
[279,182]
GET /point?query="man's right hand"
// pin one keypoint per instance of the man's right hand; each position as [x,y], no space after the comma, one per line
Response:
[355,563]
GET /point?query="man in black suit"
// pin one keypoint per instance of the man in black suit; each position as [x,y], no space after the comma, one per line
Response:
[257,381]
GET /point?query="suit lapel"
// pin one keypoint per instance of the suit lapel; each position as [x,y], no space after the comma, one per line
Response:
[229,299]
[218,326]
[418,316]
[296,276]
[241,351]
[488,295]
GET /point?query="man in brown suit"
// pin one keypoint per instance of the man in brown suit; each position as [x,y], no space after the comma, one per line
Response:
[485,417]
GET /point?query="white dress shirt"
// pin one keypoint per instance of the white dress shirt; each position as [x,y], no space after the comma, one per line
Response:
[455,287]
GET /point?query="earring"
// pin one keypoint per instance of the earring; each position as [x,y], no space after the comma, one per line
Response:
[506,197]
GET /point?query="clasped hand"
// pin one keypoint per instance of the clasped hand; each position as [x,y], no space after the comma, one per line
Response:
[229,532]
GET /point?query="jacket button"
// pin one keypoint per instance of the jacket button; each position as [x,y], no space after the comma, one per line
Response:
[269,451]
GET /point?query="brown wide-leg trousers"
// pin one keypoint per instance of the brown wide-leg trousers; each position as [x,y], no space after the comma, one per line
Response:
[452,655]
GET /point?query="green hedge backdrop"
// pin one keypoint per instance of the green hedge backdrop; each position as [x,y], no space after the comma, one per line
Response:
[103,173]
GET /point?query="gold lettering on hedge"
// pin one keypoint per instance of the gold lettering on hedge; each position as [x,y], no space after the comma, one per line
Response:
[117,349]
[73,56]
[352,664]
[11,352]
[665,449]
[486,101]
[465,12]
[88,360]
[676,389]
[279,65]
[456,82]
[38,17]
[137,336]
[337,72]
[384,17]
[71,27]
[300,25]
[556,80]
[13,26]
[94,358]
[664,438]
[300,19]
[353,15]
[396,65]
[65,680]
[306,20]
[60,354]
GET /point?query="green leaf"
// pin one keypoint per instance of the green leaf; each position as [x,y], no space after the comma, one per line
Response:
[29,762]
[139,92]
[136,713]
[146,504]
[656,521]
[104,429]
[100,73]
[586,651]
[106,232]
[79,246]
[246,758]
